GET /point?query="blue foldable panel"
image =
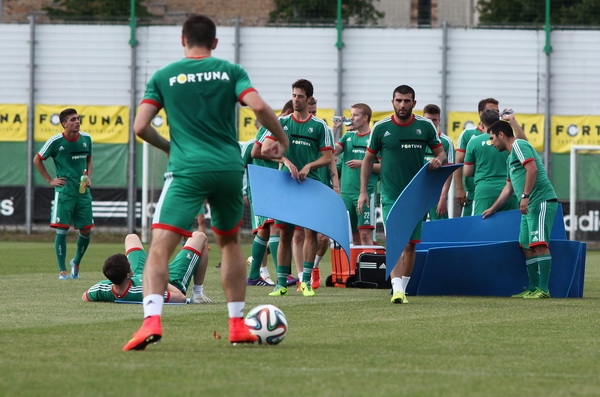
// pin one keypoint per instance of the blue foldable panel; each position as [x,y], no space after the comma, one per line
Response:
[422,193]
[310,204]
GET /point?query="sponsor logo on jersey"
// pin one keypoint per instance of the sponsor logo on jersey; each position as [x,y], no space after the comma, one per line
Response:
[61,148]
[198,77]
[300,142]
[411,146]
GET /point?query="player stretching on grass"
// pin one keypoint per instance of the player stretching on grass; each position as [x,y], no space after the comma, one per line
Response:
[199,94]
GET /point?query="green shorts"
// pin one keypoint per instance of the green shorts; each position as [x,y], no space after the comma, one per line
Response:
[137,260]
[480,205]
[183,267]
[183,195]
[359,221]
[467,210]
[537,224]
[386,206]
[259,222]
[72,210]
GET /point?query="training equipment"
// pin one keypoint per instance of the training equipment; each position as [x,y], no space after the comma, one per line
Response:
[343,271]
[267,322]
[371,271]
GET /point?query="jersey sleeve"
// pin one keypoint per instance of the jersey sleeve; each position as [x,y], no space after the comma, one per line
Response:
[470,154]
[523,151]
[152,95]
[375,141]
[449,148]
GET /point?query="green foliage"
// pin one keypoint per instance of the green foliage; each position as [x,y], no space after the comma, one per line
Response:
[97,10]
[342,342]
[363,12]
[532,12]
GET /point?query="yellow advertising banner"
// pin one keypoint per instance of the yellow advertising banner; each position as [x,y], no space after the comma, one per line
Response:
[574,130]
[532,124]
[106,124]
[13,123]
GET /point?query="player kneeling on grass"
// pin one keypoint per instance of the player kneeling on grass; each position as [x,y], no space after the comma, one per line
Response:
[124,273]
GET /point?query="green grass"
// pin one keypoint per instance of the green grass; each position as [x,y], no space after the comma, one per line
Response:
[342,342]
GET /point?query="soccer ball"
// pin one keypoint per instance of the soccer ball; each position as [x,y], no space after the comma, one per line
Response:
[268,323]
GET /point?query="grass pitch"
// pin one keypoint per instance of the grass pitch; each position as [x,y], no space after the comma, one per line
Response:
[342,342]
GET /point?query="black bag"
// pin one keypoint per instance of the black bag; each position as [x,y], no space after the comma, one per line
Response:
[370,271]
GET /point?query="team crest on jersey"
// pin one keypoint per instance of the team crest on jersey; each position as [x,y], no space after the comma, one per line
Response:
[418,131]
[311,130]
[285,128]
[189,255]
[84,144]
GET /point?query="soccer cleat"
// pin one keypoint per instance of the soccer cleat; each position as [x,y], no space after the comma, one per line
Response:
[239,332]
[199,299]
[307,289]
[63,275]
[315,278]
[399,297]
[292,280]
[278,291]
[74,269]
[268,280]
[538,294]
[522,294]
[258,282]
[150,332]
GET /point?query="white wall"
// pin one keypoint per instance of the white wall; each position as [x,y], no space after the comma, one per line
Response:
[89,64]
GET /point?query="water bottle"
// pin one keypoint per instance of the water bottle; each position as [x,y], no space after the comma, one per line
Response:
[83,182]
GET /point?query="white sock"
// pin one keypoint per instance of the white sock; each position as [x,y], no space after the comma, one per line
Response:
[198,289]
[317,261]
[153,305]
[405,281]
[264,272]
[300,276]
[236,309]
[397,284]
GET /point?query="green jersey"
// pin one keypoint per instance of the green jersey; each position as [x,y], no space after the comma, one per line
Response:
[402,149]
[70,160]
[104,292]
[199,96]
[490,167]
[307,139]
[324,172]
[448,148]
[262,131]
[463,141]
[355,146]
[523,152]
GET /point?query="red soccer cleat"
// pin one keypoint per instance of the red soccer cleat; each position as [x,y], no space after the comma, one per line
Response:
[149,332]
[239,332]
[315,278]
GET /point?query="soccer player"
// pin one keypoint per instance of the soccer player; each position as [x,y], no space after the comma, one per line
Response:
[124,273]
[488,167]
[433,113]
[400,140]
[199,94]
[310,149]
[351,148]
[526,176]
[71,152]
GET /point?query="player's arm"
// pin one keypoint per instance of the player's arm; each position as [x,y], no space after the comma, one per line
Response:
[517,129]
[531,172]
[175,295]
[269,120]
[142,127]
[89,171]
[324,160]
[461,195]
[333,174]
[365,174]
[439,158]
[506,193]
[469,169]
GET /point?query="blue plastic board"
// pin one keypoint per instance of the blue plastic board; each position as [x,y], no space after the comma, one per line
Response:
[310,204]
[422,193]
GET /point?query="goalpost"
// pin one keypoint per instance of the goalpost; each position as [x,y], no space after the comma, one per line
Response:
[573,185]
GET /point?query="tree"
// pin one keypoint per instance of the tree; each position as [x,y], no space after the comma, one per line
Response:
[97,10]
[532,12]
[363,12]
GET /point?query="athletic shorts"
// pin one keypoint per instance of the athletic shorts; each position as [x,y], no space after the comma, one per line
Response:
[183,267]
[259,222]
[537,224]
[359,221]
[183,195]
[386,206]
[72,210]
[137,260]
[483,204]
[467,210]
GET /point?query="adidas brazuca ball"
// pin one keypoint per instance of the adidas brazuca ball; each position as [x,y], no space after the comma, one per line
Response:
[267,322]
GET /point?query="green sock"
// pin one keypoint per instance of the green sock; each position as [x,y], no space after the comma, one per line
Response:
[82,244]
[60,247]
[274,246]
[545,263]
[307,266]
[533,272]
[259,247]
[282,273]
